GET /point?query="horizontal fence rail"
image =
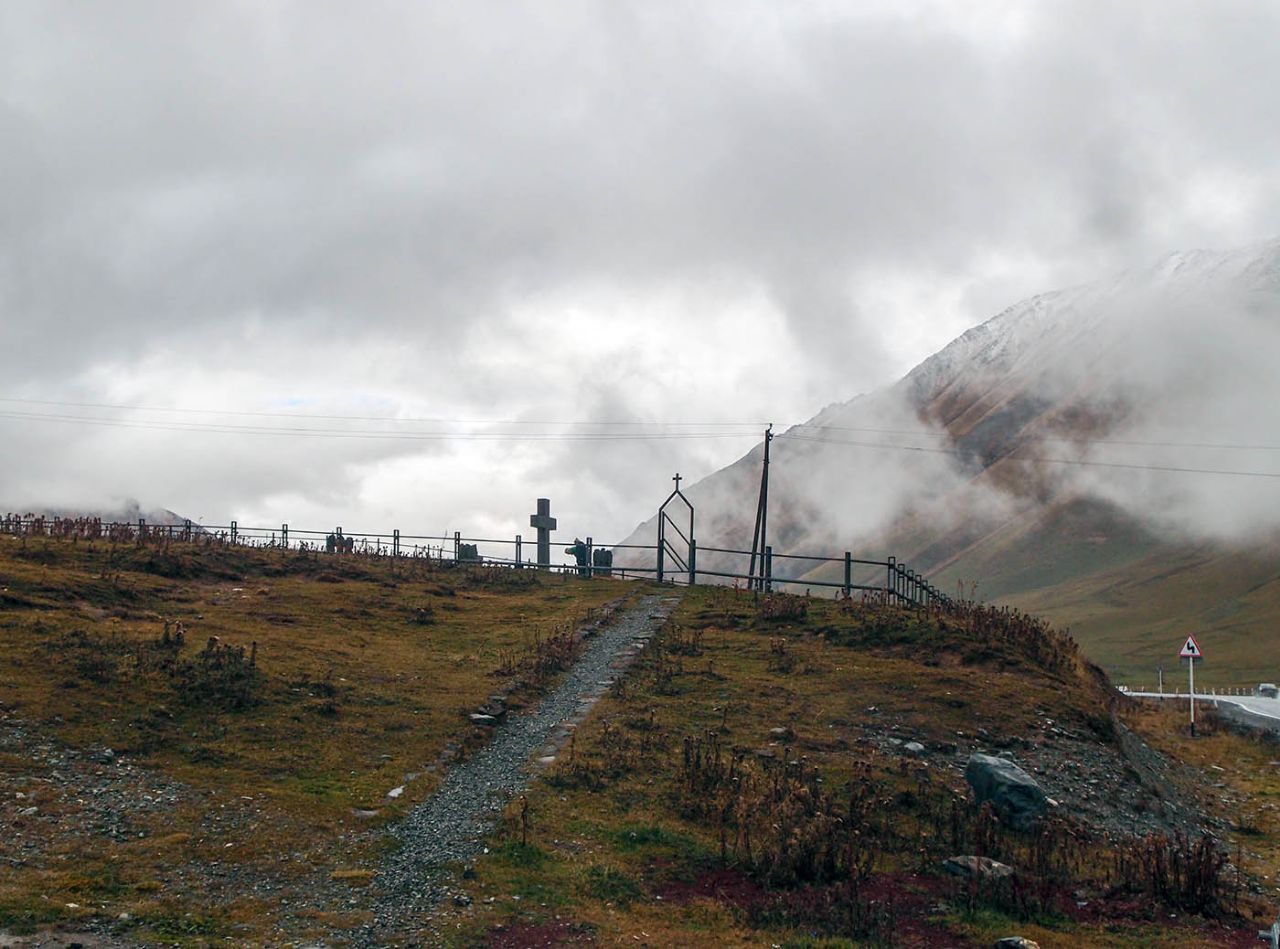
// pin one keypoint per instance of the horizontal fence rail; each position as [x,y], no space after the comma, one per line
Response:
[889,578]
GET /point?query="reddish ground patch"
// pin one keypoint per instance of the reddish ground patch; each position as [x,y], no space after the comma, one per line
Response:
[910,901]
[913,898]
[907,899]
[1137,910]
[731,887]
[528,935]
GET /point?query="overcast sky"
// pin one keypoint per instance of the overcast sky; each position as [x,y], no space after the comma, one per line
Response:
[553,213]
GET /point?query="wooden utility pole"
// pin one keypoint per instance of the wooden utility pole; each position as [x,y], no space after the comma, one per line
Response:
[761,535]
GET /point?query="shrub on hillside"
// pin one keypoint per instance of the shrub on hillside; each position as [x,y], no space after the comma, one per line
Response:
[220,675]
[782,607]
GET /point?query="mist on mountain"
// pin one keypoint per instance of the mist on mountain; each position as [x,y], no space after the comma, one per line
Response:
[1153,392]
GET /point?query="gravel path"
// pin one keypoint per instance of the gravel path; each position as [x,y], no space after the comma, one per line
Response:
[449,827]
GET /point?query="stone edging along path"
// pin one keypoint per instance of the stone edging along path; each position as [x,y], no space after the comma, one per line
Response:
[449,827]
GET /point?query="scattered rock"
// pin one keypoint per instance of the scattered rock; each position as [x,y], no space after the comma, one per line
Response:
[913,748]
[395,792]
[1015,942]
[781,734]
[1014,794]
[482,720]
[983,868]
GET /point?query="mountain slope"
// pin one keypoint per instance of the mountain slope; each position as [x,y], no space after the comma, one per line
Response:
[1030,456]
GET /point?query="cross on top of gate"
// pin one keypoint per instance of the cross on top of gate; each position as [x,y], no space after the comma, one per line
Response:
[677,479]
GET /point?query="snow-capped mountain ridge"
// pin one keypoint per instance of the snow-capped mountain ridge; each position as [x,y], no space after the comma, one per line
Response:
[1004,344]
[1077,362]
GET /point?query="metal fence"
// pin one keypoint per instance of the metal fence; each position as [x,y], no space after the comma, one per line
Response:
[892,579]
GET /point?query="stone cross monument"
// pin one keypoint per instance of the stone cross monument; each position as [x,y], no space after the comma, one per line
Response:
[545,524]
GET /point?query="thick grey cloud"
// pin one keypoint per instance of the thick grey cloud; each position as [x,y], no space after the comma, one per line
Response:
[328,207]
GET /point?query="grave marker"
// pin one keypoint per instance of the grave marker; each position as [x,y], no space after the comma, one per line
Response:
[545,524]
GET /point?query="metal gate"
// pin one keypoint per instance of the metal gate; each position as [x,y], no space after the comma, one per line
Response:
[683,552]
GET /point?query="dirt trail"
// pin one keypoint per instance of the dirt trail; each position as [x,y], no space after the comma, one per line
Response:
[448,829]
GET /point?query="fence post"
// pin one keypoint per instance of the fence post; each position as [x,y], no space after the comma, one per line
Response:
[519,555]
[660,559]
[395,542]
[768,569]
[457,545]
[848,574]
[888,578]
[186,529]
[693,561]
[591,563]
[284,536]
[235,530]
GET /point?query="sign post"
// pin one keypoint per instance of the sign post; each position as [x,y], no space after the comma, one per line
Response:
[1191,652]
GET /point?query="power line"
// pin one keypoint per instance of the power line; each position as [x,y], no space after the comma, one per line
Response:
[223,428]
[754,426]
[602,423]
[1049,461]
[279,431]
[1047,438]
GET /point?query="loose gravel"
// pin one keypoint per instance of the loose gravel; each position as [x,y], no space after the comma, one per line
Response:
[61,796]
[448,829]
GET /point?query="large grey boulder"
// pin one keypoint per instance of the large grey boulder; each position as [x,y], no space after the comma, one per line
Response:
[982,868]
[1014,794]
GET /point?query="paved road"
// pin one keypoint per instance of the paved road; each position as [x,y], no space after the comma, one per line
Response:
[1249,709]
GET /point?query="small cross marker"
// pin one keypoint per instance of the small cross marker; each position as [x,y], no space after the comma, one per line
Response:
[677,480]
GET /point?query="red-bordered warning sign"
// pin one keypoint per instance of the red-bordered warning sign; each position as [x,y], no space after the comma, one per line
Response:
[1191,649]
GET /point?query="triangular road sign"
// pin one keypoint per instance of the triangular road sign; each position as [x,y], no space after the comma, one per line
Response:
[1191,649]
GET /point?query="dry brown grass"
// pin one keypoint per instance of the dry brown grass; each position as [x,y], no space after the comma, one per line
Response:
[354,673]
[680,816]
[1243,768]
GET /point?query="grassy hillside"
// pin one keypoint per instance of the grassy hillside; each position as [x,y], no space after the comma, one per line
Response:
[752,784]
[1129,597]
[1134,617]
[266,754]
[202,746]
